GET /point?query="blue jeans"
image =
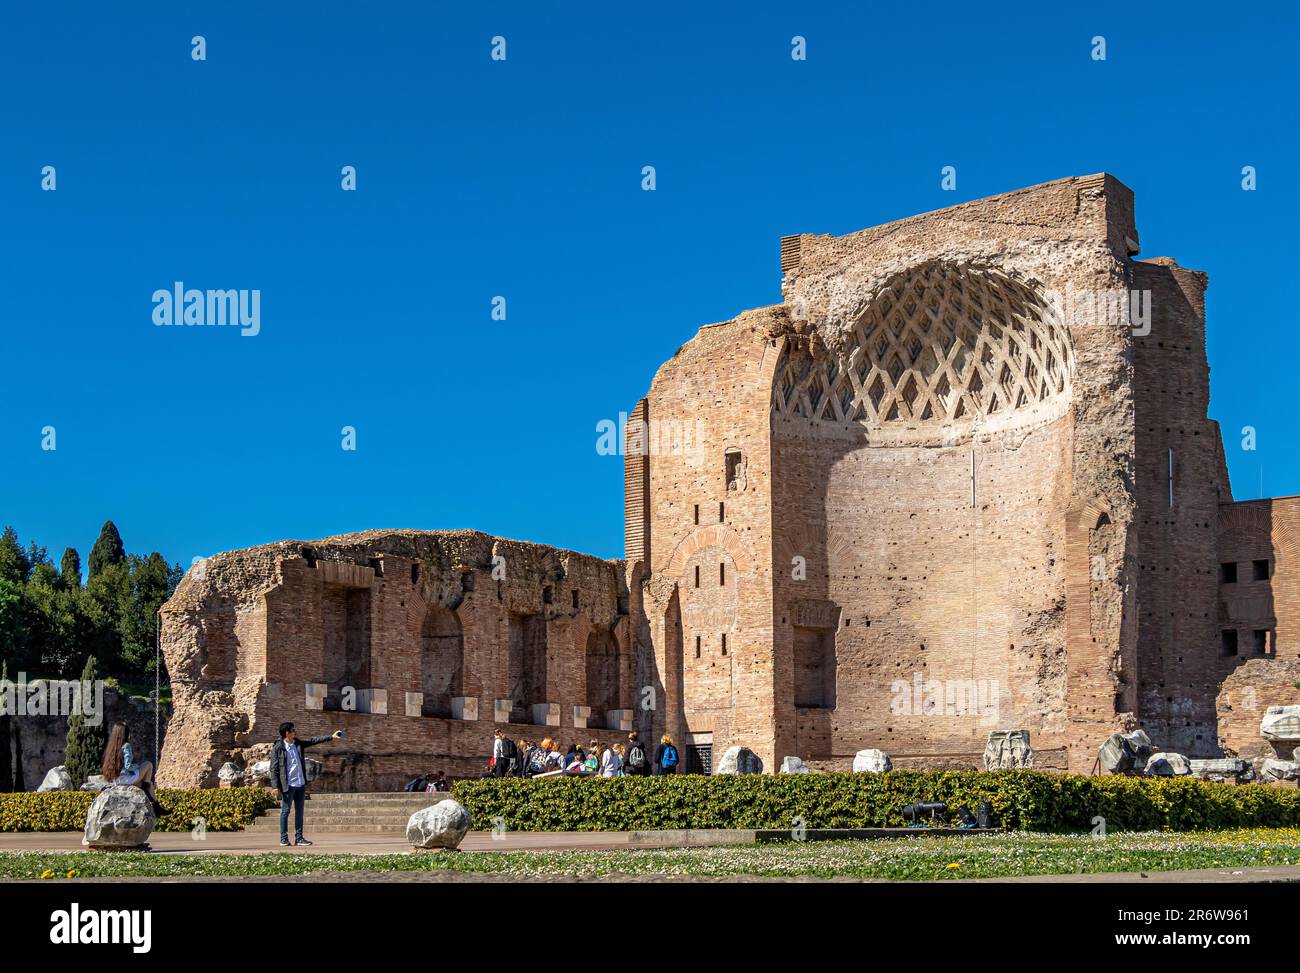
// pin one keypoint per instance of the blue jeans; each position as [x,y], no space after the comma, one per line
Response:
[294,796]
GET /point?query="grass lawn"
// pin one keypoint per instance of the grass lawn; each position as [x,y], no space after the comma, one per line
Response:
[972,856]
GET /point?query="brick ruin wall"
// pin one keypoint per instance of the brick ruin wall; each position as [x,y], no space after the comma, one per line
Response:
[428,630]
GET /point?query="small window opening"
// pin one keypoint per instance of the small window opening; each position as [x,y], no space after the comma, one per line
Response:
[1229,642]
[697,646]
[1228,572]
[722,573]
[1260,570]
[735,469]
[724,643]
[1261,641]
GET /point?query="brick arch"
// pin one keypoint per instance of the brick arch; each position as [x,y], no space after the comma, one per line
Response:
[715,535]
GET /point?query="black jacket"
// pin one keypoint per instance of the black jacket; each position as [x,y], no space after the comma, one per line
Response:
[280,760]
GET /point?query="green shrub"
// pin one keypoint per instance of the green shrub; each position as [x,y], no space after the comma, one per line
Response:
[224,809]
[1021,799]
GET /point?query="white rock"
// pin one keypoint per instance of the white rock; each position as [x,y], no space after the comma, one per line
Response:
[1280,770]
[444,825]
[230,775]
[793,765]
[1281,723]
[258,774]
[871,762]
[1168,765]
[739,760]
[121,817]
[58,779]
[1008,750]
[95,782]
[1224,767]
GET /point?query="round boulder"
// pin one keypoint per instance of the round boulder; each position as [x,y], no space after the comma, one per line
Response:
[872,762]
[57,779]
[119,819]
[1168,765]
[739,760]
[442,825]
[794,765]
[230,775]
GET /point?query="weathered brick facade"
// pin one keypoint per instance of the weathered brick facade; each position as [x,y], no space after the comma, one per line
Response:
[950,484]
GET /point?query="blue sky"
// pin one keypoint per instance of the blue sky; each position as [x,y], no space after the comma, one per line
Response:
[522,178]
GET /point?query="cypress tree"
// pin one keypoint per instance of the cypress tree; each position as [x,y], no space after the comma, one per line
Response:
[108,549]
[70,568]
[85,750]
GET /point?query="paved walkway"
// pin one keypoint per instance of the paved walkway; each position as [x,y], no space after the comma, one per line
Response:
[256,843]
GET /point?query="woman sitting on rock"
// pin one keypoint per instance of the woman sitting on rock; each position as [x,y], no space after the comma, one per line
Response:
[120,766]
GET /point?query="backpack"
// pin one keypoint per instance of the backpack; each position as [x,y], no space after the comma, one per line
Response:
[670,757]
[636,757]
[508,749]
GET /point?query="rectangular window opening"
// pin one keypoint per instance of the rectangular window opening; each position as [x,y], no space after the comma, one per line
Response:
[1229,642]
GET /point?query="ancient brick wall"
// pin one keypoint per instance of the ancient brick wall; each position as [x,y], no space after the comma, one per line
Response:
[1179,667]
[405,639]
[1258,579]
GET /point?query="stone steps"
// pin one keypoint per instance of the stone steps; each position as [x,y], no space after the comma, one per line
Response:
[380,813]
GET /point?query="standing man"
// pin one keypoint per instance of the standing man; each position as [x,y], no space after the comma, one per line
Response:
[289,778]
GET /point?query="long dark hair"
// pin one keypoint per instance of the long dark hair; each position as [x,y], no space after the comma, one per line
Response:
[113,752]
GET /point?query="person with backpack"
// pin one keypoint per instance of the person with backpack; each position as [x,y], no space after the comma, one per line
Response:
[666,757]
[636,763]
[504,755]
[611,761]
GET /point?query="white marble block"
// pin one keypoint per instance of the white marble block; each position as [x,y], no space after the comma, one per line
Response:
[618,719]
[546,714]
[414,704]
[316,693]
[466,708]
[581,714]
[373,701]
[501,710]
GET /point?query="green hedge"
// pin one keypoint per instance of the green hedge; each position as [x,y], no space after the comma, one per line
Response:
[224,809]
[1021,799]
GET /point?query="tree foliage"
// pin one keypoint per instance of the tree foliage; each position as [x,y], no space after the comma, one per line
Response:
[84,753]
[51,624]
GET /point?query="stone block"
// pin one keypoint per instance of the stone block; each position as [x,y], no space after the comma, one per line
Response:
[872,762]
[501,710]
[581,714]
[546,714]
[618,719]
[316,693]
[1008,750]
[414,704]
[1281,723]
[466,708]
